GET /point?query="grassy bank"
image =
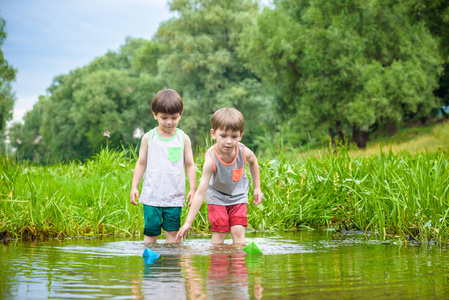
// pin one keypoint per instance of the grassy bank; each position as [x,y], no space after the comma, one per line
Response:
[389,194]
[411,139]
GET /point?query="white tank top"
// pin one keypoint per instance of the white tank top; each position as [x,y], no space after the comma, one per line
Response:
[228,184]
[164,182]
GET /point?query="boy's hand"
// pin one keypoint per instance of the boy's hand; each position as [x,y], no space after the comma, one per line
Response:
[190,197]
[181,235]
[134,195]
[257,196]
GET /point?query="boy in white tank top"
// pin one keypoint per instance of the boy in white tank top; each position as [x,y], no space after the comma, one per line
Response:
[163,154]
[223,182]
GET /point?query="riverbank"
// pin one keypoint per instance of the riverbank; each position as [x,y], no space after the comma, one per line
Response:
[400,195]
[413,139]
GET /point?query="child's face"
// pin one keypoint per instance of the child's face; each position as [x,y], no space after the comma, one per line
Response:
[167,122]
[226,140]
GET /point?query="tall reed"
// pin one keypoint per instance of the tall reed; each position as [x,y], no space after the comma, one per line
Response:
[388,194]
[68,199]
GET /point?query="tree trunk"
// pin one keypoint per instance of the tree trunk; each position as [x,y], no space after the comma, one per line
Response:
[359,137]
[391,128]
[340,134]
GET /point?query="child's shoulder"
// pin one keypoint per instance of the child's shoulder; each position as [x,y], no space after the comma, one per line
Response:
[146,135]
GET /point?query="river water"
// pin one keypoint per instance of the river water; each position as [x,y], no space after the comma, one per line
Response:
[293,265]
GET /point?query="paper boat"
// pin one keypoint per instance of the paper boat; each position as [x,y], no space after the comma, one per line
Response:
[149,254]
[252,248]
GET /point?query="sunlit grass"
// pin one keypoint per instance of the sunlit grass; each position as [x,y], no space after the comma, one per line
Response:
[438,136]
[413,140]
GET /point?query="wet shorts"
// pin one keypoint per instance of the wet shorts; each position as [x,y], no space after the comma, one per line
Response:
[222,217]
[167,218]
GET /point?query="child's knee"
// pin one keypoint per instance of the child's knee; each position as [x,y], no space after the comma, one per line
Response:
[170,236]
[238,229]
[218,237]
[238,234]
[149,239]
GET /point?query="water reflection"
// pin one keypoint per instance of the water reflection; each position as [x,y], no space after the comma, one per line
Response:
[228,276]
[221,275]
[296,265]
[162,278]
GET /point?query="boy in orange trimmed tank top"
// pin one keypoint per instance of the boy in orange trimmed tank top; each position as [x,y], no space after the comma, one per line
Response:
[223,182]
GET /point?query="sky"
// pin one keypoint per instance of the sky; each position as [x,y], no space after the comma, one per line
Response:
[47,38]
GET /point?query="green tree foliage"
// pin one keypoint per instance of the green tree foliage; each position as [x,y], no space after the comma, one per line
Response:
[26,137]
[435,14]
[346,65]
[299,70]
[106,95]
[203,65]
[7,75]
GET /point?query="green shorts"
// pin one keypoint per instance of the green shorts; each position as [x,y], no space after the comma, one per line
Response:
[167,218]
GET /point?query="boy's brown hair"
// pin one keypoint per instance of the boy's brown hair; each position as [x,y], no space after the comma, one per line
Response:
[168,102]
[227,118]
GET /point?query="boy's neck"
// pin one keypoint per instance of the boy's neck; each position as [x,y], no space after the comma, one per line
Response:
[226,157]
[165,134]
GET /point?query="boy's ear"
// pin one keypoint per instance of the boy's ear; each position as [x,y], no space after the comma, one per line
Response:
[241,134]
[154,115]
[212,133]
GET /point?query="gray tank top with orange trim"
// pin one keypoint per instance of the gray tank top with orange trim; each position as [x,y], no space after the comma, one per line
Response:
[228,184]
[164,182]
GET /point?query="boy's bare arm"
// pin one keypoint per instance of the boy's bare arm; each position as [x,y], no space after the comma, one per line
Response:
[255,174]
[139,170]
[198,199]
[190,167]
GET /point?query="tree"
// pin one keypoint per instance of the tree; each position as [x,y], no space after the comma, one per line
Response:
[26,137]
[7,75]
[108,94]
[345,65]
[202,62]
[105,101]
[435,14]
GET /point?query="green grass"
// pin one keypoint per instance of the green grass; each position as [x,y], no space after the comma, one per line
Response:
[389,193]
[68,199]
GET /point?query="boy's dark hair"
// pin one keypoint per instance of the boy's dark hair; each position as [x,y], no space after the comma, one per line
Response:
[168,102]
[227,118]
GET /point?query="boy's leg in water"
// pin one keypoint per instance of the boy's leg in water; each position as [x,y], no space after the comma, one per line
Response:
[238,234]
[153,222]
[218,237]
[171,223]
[170,236]
[149,239]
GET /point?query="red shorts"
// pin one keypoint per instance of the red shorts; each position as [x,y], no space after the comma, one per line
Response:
[222,217]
